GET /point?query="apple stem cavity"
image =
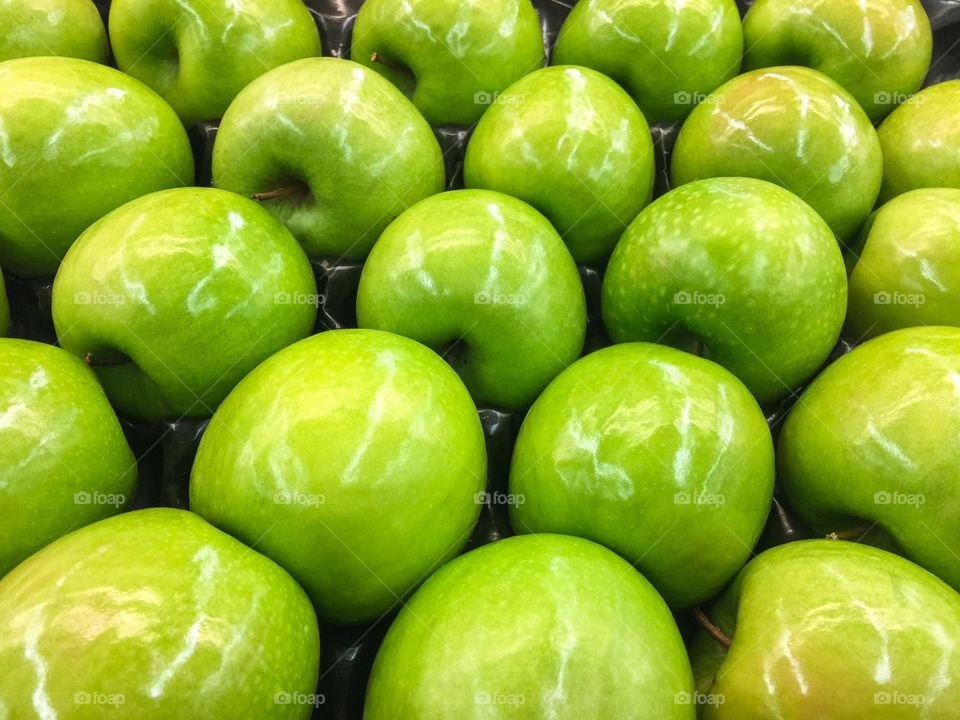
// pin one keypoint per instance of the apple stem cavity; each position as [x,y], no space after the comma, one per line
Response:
[854,533]
[104,360]
[376,57]
[277,194]
[712,630]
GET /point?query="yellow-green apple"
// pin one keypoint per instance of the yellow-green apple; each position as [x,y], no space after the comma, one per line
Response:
[668,55]
[489,274]
[154,615]
[736,269]
[792,126]
[64,461]
[353,459]
[830,629]
[907,269]
[539,626]
[877,50]
[573,144]
[332,149]
[78,140]
[451,57]
[657,454]
[874,442]
[69,28]
[177,295]
[921,142]
[198,54]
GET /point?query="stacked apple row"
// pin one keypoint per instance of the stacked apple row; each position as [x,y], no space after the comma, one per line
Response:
[342,473]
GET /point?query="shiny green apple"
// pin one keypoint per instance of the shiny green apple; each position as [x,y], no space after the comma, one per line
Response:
[668,55]
[489,273]
[875,440]
[78,140]
[451,57]
[921,142]
[353,459]
[154,615]
[332,149]
[198,54]
[792,126]
[64,462]
[657,454]
[540,626]
[831,629]
[877,50]
[907,271]
[737,269]
[69,28]
[573,144]
[177,295]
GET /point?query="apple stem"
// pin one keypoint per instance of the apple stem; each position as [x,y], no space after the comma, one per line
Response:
[854,533]
[99,361]
[377,58]
[712,630]
[278,193]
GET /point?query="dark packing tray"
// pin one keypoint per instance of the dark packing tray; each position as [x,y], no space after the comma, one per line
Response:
[166,450]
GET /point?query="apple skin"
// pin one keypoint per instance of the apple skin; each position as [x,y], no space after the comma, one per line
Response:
[483,268]
[198,54]
[743,266]
[573,144]
[907,272]
[61,449]
[921,142]
[352,459]
[440,55]
[80,140]
[885,418]
[339,130]
[194,287]
[68,28]
[668,56]
[670,465]
[831,629]
[792,126]
[533,627]
[879,50]
[165,613]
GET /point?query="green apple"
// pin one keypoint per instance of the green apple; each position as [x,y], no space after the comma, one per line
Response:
[737,269]
[153,615]
[64,461]
[657,454]
[332,149]
[885,418]
[198,54]
[353,459]
[540,626]
[907,271]
[831,629]
[77,140]
[488,273]
[69,28]
[667,55]
[791,126]
[572,143]
[177,295]
[4,308]
[451,57]
[878,50]
[921,142]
